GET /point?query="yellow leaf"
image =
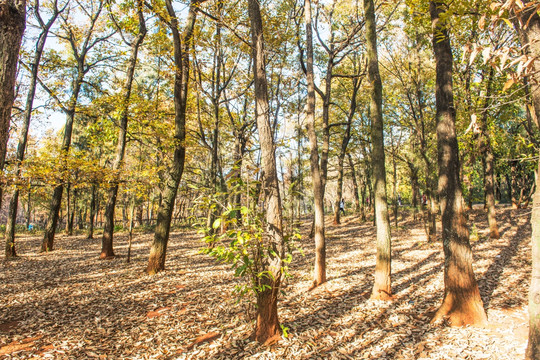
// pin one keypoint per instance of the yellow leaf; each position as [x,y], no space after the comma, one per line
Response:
[508,84]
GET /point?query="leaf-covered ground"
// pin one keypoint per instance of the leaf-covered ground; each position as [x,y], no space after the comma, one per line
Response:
[67,304]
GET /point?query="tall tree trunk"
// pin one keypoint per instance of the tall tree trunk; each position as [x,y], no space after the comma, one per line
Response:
[12,25]
[530,35]
[319,274]
[382,288]
[462,303]
[345,142]
[489,163]
[158,252]
[267,328]
[108,229]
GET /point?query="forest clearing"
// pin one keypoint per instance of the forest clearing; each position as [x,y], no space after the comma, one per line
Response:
[66,304]
[195,179]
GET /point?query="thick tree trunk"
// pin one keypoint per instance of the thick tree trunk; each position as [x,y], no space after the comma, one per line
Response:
[319,274]
[267,328]
[12,25]
[462,304]
[107,250]
[382,287]
[156,261]
[531,36]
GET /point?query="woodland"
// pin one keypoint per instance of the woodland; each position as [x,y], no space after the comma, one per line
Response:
[269,179]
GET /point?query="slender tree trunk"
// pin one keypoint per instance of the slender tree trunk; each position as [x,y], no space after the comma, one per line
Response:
[319,275]
[93,202]
[158,252]
[12,25]
[107,250]
[462,303]
[489,163]
[68,209]
[382,288]
[355,185]
[512,189]
[267,328]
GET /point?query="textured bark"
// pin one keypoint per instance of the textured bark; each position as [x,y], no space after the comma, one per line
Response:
[382,287]
[531,36]
[462,304]
[107,250]
[319,274]
[158,251]
[12,25]
[267,327]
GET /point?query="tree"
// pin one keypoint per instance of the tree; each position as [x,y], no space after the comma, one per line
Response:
[81,42]
[319,273]
[267,328]
[528,26]
[158,251]
[462,303]
[21,147]
[382,287]
[12,25]
[108,229]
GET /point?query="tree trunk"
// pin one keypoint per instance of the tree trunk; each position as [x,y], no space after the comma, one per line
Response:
[356,190]
[93,202]
[382,288]
[489,163]
[319,274]
[267,328]
[69,230]
[462,304]
[531,36]
[107,250]
[12,25]
[158,252]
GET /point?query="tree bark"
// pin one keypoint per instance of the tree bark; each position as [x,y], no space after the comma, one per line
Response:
[158,252]
[267,328]
[462,304]
[530,35]
[12,25]
[382,288]
[319,273]
[107,250]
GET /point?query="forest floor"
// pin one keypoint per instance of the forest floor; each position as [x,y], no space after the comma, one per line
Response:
[67,304]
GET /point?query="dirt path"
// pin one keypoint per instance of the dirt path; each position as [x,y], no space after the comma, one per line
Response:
[67,304]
